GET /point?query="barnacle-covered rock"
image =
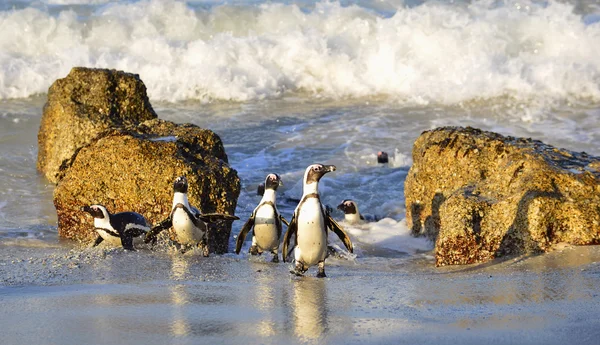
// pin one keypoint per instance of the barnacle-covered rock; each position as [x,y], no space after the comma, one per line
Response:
[481,195]
[81,106]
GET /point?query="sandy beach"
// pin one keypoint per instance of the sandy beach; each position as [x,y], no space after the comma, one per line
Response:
[59,295]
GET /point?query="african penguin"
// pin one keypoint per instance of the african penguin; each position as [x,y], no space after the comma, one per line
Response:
[265,221]
[191,227]
[119,229]
[382,157]
[309,225]
[351,213]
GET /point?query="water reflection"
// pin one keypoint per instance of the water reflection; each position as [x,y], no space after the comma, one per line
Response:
[265,300]
[179,296]
[530,279]
[310,308]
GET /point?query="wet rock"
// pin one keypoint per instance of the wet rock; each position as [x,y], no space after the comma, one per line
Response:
[101,142]
[81,106]
[480,195]
[134,170]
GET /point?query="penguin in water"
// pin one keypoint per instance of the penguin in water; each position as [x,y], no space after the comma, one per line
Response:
[265,221]
[119,229]
[309,225]
[191,227]
[351,213]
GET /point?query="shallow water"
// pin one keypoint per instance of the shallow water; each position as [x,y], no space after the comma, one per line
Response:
[111,296]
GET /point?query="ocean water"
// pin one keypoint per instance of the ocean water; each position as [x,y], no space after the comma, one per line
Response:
[289,83]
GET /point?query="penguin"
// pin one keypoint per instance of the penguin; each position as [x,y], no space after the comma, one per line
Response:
[382,157]
[309,225]
[119,229]
[191,227]
[265,221]
[351,213]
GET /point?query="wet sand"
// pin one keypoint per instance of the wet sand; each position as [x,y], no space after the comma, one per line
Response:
[60,295]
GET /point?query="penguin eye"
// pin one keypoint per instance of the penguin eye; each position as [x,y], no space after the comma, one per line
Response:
[317,168]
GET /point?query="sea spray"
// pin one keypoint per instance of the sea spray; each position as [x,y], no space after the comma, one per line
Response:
[534,53]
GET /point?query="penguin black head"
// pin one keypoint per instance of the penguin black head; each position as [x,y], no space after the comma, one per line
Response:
[382,157]
[273,181]
[97,211]
[348,207]
[316,171]
[180,185]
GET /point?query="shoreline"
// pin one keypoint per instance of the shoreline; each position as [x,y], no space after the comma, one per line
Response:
[100,296]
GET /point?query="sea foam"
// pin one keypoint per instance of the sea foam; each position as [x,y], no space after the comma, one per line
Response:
[431,53]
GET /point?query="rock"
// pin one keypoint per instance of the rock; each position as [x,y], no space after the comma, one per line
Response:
[480,195]
[134,170]
[81,106]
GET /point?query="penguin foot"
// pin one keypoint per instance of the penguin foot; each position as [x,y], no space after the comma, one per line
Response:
[275,258]
[254,250]
[151,240]
[331,251]
[321,273]
[205,251]
[184,249]
[299,269]
[296,273]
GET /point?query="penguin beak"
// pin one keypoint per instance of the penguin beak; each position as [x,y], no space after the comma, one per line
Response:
[340,207]
[329,168]
[86,209]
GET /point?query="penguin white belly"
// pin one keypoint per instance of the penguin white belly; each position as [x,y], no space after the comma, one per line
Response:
[102,228]
[187,232]
[110,240]
[265,229]
[312,238]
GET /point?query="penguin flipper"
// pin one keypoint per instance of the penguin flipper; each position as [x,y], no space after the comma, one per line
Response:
[216,217]
[195,212]
[280,220]
[291,230]
[98,241]
[242,236]
[151,235]
[279,227]
[339,231]
[284,220]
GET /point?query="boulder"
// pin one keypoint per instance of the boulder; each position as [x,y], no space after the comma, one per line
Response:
[480,195]
[81,106]
[134,170]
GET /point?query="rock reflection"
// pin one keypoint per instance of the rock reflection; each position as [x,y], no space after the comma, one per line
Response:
[310,308]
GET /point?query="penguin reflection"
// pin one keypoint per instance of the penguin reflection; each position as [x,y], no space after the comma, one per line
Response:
[265,300]
[179,296]
[310,308]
